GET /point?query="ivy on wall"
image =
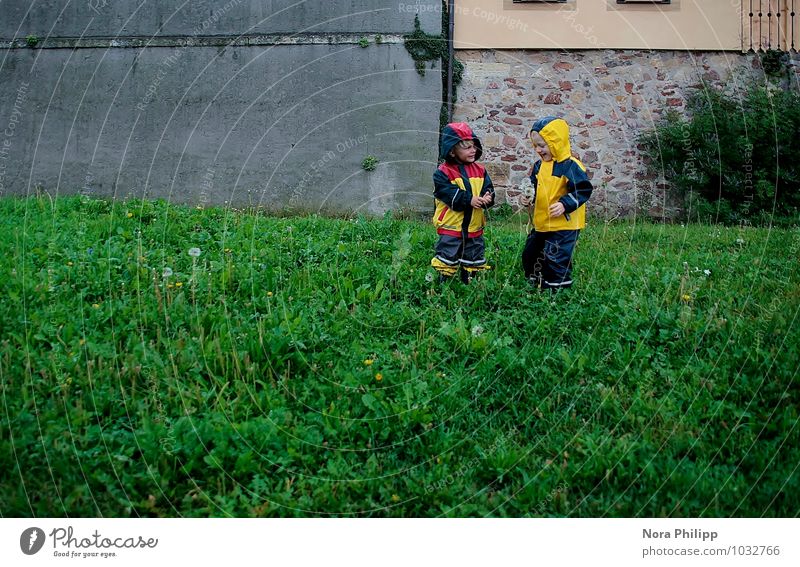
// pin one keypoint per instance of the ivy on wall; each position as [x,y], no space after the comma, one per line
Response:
[424,48]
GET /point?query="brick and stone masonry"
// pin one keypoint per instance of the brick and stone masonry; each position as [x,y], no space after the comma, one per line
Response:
[608,97]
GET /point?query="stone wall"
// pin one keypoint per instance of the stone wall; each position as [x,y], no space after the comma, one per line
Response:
[608,97]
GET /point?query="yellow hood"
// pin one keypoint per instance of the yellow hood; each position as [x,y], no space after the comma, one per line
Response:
[555,132]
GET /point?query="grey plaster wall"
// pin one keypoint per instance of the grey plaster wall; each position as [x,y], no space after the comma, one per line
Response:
[109,18]
[269,125]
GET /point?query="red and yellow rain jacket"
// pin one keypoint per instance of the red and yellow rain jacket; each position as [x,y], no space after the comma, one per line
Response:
[562,179]
[454,185]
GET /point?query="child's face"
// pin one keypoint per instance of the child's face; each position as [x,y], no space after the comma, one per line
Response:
[464,151]
[541,147]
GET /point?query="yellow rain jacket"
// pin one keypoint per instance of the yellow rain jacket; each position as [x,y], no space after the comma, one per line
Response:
[562,179]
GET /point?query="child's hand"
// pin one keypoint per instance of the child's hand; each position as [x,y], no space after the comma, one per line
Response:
[557,210]
[525,201]
[479,202]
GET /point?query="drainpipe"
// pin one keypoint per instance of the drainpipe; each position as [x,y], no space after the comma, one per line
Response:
[450,31]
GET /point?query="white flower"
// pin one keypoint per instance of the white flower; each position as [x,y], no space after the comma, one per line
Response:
[429,277]
[194,252]
[526,188]
[707,272]
[739,241]
[167,272]
[477,330]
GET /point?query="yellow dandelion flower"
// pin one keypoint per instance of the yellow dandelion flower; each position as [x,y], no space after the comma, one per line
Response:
[82,342]
[129,215]
[686,297]
[169,286]
[379,377]
[368,362]
[69,263]
[395,498]
[96,305]
[269,294]
[178,284]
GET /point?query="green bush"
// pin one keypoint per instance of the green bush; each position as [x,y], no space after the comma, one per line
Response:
[734,158]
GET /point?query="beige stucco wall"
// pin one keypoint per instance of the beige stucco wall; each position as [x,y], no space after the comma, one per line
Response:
[602,24]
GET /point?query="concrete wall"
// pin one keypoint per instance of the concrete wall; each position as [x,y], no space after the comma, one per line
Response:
[110,18]
[276,118]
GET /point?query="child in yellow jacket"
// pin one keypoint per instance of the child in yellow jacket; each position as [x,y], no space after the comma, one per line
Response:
[562,188]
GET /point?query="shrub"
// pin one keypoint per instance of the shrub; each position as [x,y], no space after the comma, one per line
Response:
[733,158]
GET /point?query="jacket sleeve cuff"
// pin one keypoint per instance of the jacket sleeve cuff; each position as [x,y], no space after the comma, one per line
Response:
[570,202]
[460,202]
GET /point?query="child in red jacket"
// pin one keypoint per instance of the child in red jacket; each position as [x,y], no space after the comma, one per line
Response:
[462,191]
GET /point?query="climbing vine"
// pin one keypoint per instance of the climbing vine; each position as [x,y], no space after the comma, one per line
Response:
[774,62]
[424,48]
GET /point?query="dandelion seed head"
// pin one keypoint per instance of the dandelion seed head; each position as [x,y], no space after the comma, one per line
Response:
[194,252]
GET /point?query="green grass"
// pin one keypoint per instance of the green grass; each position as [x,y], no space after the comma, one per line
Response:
[240,384]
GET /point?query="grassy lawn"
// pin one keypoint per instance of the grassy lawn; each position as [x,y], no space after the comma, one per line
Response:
[306,366]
